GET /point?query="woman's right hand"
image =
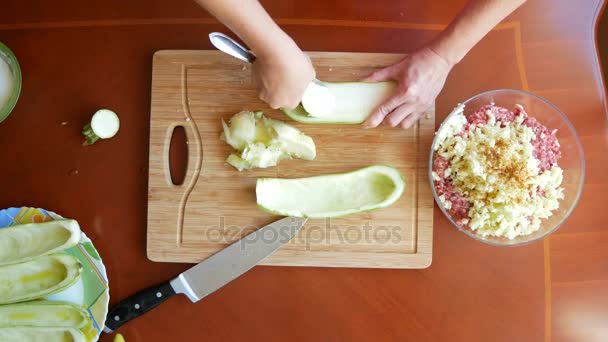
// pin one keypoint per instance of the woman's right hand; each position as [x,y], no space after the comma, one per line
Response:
[282,75]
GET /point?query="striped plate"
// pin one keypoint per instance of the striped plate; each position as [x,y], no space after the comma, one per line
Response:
[91,290]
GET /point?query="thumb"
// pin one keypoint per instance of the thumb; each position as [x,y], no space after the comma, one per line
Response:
[384,74]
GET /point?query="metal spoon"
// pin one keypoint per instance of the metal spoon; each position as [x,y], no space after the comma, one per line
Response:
[228,45]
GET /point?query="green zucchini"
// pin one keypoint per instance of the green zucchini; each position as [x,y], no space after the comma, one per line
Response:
[318,100]
[28,334]
[43,314]
[38,278]
[333,195]
[352,103]
[28,241]
[104,125]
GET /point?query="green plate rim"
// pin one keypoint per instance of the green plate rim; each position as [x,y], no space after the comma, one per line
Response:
[12,102]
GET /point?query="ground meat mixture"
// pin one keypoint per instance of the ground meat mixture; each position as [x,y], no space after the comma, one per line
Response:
[459,208]
[545,148]
[480,117]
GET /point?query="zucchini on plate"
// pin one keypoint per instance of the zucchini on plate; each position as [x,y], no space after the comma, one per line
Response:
[28,241]
[38,278]
[43,314]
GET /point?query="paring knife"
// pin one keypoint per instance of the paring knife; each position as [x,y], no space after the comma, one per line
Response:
[211,274]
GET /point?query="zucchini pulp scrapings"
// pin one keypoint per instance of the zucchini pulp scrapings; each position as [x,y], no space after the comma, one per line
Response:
[263,142]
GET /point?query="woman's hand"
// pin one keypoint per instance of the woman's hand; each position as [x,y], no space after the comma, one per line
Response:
[420,77]
[281,70]
[282,76]
[284,73]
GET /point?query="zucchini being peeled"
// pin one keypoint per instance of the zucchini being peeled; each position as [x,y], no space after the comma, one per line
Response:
[41,334]
[334,195]
[28,241]
[352,103]
[43,314]
[38,278]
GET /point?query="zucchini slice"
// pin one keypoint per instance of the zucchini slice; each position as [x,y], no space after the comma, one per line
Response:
[104,125]
[352,103]
[28,334]
[28,241]
[38,278]
[43,314]
[335,195]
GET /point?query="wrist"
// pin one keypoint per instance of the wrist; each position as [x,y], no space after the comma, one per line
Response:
[274,45]
[428,53]
[447,49]
[448,58]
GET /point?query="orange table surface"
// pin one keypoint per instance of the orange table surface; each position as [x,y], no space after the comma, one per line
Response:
[79,56]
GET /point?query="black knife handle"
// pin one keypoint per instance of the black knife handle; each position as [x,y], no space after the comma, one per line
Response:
[137,305]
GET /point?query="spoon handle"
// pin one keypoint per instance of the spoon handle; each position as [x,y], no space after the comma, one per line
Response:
[228,45]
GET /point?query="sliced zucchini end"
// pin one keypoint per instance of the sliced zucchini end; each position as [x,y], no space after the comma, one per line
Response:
[104,125]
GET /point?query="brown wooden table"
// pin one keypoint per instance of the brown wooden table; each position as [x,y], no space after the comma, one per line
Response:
[78,56]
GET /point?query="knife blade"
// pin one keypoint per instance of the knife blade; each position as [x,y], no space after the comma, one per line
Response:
[211,273]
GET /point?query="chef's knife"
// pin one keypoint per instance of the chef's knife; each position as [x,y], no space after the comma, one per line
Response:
[211,274]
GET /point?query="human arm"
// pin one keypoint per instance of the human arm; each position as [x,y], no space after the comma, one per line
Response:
[282,71]
[422,74]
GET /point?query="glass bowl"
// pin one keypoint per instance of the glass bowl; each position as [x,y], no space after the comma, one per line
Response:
[572,161]
[7,55]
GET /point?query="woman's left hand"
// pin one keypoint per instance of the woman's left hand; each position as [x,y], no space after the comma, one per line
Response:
[420,77]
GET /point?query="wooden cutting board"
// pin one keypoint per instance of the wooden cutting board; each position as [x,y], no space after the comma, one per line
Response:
[216,204]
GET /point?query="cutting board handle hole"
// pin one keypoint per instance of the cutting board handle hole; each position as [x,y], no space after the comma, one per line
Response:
[178,155]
